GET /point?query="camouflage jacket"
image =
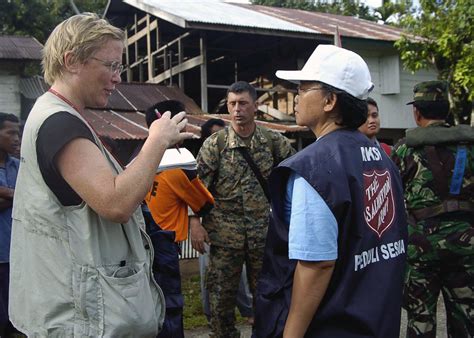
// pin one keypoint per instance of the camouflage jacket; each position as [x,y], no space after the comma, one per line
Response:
[241,209]
[420,183]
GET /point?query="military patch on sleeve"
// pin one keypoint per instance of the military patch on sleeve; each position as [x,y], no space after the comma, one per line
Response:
[379,205]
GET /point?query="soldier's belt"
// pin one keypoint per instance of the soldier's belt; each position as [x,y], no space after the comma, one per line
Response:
[442,208]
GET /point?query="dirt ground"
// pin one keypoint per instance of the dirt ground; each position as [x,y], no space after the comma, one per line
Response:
[191,267]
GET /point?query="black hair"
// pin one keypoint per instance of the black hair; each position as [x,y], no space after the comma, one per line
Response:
[8,117]
[206,128]
[372,102]
[174,106]
[438,110]
[353,111]
[241,87]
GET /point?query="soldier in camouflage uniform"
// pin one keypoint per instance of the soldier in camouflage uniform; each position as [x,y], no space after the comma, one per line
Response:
[436,162]
[237,226]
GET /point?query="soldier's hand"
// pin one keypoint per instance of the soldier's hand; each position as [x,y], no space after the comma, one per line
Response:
[199,235]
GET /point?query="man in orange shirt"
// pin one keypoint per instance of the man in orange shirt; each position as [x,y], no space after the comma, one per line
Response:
[173,190]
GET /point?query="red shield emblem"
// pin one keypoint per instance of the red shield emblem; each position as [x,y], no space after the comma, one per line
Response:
[379,207]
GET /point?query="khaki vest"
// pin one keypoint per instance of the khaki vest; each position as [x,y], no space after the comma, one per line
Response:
[74,273]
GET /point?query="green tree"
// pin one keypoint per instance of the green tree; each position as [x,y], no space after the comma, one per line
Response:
[391,12]
[440,35]
[37,18]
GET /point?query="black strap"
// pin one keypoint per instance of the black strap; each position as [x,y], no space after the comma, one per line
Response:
[256,171]
[438,168]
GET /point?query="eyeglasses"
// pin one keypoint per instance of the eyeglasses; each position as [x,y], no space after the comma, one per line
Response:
[300,91]
[114,66]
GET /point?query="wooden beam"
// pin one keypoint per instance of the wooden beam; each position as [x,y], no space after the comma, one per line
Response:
[258,89]
[172,42]
[203,48]
[275,113]
[136,44]
[186,65]
[180,61]
[148,47]
[127,61]
[143,32]
[139,22]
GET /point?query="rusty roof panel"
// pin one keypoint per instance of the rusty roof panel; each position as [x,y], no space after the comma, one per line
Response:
[117,126]
[20,48]
[140,96]
[131,125]
[214,14]
[126,97]
[326,23]
[128,125]
[33,87]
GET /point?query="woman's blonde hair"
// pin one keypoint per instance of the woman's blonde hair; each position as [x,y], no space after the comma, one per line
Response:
[81,34]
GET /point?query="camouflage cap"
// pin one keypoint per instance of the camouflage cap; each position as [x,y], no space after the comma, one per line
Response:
[430,91]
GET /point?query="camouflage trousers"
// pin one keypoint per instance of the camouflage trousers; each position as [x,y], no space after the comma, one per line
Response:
[223,277]
[440,259]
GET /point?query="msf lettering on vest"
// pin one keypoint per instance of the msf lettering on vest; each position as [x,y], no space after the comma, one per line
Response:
[379,211]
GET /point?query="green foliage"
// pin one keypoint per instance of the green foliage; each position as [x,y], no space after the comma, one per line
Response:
[392,11]
[441,35]
[37,18]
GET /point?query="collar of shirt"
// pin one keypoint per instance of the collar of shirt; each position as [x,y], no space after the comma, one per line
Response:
[235,141]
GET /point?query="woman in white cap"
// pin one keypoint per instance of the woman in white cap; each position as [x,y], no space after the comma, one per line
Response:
[335,251]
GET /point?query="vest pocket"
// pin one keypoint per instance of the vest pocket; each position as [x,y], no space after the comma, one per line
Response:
[119,303]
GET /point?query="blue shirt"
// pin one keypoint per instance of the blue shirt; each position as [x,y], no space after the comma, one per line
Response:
[8,176]
[313,227]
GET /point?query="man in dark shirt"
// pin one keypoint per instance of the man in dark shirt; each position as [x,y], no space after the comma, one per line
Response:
[9,143]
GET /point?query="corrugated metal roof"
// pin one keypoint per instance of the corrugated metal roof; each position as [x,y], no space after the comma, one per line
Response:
[117,126]
[131,125]
[33,87]
[123,117]
[326,23]
[140,96]
[20,48]
[214,12]
[126,97]
[190,13]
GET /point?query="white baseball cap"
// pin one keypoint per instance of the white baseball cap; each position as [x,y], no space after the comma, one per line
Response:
[337,67]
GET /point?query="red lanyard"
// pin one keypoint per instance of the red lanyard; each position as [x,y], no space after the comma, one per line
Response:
[52,91]
[60,96]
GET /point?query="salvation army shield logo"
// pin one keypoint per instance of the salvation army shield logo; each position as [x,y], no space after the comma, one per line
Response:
[379,206]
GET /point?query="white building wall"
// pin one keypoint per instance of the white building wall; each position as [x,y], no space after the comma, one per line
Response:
[10,99]
[394,113]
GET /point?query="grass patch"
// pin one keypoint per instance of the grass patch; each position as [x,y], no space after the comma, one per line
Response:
[193,313]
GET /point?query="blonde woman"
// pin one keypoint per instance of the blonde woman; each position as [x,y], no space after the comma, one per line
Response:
[80,260]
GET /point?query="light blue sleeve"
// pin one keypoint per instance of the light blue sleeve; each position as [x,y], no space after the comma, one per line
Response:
[313,227]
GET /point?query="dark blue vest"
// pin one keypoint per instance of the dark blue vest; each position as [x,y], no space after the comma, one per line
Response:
[362,187]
